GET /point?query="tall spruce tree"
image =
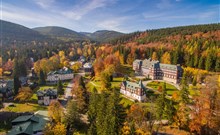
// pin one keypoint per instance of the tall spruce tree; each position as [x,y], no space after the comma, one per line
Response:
[60,87]
[17,85]
[217,64]
[201,63]
[92,112]
[208,62]
[184,92]
[72,116]
[42,80]
[16,69]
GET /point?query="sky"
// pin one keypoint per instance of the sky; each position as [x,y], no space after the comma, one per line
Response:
[119,15]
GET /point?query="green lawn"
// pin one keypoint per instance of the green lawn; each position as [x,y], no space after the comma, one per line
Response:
[97,83]
[117,81]
[46,87]
[126,70]
[25,107]
[126,102]
[170,89]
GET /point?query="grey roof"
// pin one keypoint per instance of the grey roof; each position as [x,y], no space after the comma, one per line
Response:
[29,124]
[61,71]
[22,128]
[148,63]
[47,92]
[170,67]
[22,118]
[133,85]
[6,85]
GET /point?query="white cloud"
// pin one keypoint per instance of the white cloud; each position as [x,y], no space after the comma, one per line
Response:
[44,3]
[79,11]
[165,17]
[114,23]
[29,18]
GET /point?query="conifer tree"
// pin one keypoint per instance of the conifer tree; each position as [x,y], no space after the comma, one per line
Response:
[17,85]
[92,112]
[42,80]
[201,63]
[208,62]
[60,87]
[217,64]
[72,116]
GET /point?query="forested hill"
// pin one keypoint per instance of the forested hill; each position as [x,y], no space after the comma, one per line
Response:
[174,33]
[15,32]
[195,46]
[103,35]
[61,33]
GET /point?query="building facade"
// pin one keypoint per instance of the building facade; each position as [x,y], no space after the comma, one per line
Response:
[157,71]
[133,90]
[62,74]
[45,97]
[6,89]
[88,67]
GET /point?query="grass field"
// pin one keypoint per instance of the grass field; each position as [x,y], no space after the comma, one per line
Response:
[25,107]
[97,83]
[170,89]
[126,102]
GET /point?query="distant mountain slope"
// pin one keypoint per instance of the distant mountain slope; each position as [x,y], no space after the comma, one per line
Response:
[60,33]
[103,35]
[12,32]
[172,34]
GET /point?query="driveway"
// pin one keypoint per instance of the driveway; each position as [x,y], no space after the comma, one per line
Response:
[68,91]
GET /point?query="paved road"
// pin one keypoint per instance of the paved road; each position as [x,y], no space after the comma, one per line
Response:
[68,91]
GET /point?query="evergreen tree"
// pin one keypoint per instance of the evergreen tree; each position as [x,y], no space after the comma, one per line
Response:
[184,92]
[72,116]
[17,85]
[161,103]
[92,112]
[16,69]
[208,62]
[81,82]
[42,80]
[194,81]
[201,63]
[217,65]
[101,115]
[115,114]
[60,87]
[170,111]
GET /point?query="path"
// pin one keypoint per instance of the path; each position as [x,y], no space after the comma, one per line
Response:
[94,84]
[68,91]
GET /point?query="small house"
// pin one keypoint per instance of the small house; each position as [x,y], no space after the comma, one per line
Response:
[45,97]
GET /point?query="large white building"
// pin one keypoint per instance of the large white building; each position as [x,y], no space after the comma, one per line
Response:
[157,71]
[133,90]
[62,74]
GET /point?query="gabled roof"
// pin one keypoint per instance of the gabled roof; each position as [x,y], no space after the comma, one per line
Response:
[170,67]
[148,63]
[133,85]
[29,124]
[47,92]
[23,128]
[22,118]
[87,65]
[64,70]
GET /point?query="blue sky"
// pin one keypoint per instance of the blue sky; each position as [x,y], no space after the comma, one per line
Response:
[120,15]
